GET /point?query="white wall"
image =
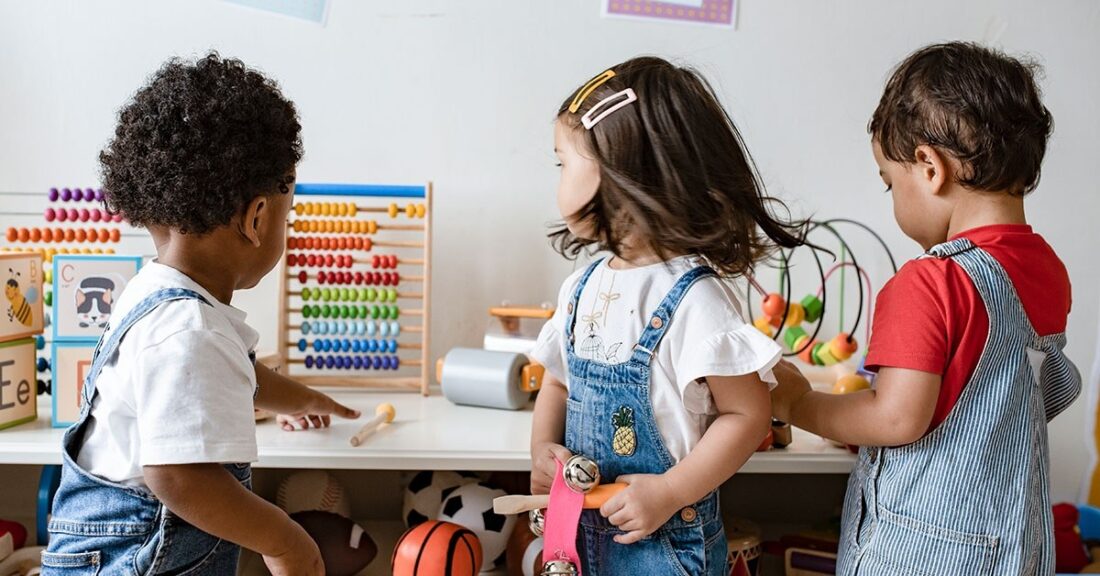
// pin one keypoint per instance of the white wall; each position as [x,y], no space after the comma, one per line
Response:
[464,93]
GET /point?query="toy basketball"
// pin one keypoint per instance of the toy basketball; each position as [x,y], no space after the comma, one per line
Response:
[436,548]
[345,548]
[744,550]
[313,490]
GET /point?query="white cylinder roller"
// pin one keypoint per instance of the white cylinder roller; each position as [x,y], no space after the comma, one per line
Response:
[484,378]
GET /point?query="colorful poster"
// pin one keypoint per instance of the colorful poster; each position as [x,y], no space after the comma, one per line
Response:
[708,12]
[315,10]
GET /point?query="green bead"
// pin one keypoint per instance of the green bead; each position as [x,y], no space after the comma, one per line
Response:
[326,311]
[396,312]
[306,312]
[392,293]
[372,295]
[48,298]
[792,334]
[363,295]
[375,312]
[813,307]
[345,311]
[344,294]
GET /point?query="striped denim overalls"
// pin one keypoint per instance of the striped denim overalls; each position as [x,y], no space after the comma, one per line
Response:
[101,527]
[609,418]
[972,497]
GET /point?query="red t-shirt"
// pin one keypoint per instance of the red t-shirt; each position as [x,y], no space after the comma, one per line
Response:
[930,317]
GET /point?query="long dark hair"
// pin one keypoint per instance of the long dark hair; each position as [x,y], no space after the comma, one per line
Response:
[674,174]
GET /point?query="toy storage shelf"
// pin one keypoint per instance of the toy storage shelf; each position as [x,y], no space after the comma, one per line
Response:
[429,433]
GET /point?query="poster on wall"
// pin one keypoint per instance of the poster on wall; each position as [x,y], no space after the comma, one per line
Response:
[720,13]
[84,292]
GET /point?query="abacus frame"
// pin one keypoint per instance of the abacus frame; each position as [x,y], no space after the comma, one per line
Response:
[409,383]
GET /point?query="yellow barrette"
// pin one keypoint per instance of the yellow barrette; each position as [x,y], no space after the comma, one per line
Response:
[588,89]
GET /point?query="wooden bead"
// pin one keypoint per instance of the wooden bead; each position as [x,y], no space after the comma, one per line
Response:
[813,307]
[773,305]
[763,324]
[392,211]
[81,234]
[792,335]
[807,354]
[850,383]
[822,355]
[843,346]
[796,314]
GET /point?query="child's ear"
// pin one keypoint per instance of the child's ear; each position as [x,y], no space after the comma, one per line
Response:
[931,167]
[252,218]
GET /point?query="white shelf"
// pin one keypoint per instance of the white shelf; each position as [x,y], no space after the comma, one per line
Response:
[428,434]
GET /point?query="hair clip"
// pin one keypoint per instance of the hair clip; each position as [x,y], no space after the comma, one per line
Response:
[625,97]
[588,89]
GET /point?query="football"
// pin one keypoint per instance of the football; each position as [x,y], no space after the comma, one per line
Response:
[426,492]
[345,547]
[471,506]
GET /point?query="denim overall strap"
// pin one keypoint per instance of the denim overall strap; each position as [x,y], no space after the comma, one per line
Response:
[610,418]
[108,344]
[658,324]
[972,496]
[574,302]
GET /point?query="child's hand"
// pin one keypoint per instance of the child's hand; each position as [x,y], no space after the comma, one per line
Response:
[300,557]
[315,413]
[642,507]
[544,466]
[792,387]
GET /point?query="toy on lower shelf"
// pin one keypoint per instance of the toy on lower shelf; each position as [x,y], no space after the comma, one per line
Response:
[437,548]
[319,503]
[471,506]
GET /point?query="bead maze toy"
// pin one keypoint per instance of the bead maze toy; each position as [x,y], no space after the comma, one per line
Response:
[345,281]
[784,319]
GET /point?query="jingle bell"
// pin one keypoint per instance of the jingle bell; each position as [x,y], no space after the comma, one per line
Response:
[581,474]
[559,568]
[536,520]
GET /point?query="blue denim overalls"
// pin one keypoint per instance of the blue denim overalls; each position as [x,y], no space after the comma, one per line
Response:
[609,418]
[972,497]
[100,527]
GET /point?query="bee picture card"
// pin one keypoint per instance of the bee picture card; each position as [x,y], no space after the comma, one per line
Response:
[22,302]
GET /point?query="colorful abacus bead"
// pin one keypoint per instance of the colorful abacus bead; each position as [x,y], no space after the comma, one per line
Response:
[796,314]
[773,305]
[843,347]
[53,194]
[764,325]
[813,307]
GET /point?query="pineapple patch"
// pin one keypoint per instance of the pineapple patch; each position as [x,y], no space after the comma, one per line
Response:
[625,440]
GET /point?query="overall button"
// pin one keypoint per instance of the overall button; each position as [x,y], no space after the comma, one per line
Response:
[656,322]
[688,514]
[569,308]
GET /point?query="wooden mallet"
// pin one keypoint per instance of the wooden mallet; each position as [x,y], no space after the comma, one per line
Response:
[383,414]
[519,504]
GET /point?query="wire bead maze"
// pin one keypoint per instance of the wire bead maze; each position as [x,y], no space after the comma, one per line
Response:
[354,303]
[785,320]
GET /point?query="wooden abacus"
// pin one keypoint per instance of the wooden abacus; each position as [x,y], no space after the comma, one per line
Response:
[339,319]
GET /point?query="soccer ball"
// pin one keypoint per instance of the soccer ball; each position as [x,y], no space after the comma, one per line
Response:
[426,492]
[471,505]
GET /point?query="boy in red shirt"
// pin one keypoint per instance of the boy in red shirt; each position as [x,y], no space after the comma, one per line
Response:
[954,471]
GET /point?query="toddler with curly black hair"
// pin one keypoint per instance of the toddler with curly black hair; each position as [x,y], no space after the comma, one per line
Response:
[156,475]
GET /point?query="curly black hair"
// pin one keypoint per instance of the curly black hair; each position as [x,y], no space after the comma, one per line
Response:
[976,104]
[198,142]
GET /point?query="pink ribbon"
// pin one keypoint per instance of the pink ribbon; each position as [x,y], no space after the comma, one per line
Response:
[563,516]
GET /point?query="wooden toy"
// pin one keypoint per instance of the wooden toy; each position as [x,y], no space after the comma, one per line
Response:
[71,362]
[383,415]
[84,291]
[18,398]
[345,284]
[436,548]
[22,304]
[515,504]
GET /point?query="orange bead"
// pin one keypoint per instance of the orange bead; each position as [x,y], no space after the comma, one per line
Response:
[81,235]
[58,234]
[368,244]
[24,234]
[47,235]
[843,347]
[116,235]
[807,354]
[773,305]
[12,235]
[36,234]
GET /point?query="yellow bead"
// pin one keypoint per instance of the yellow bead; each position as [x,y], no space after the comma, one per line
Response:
[824,357]
[372,226]
[850,383]
[763,324]
[421,210]
[796,314]
[393,210]
[299,209]
[410,210]
[352,209]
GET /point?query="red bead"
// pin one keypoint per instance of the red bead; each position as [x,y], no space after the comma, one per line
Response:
[396,278]
[51,215]
[328,260]
[84,215]
[314,260]
[292,260]
[118,217]
[303,276]
[58,234]
[331,277]
[774,305]
[62,215]
[393,260]
[347,277]
[97,215]
[13,235]
[320,277]
[374,261]
[73,214]
[359,278]
[368,244]
[377,277]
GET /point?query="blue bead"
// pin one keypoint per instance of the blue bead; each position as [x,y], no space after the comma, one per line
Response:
[330,361]
[43,365]
[393,346]
[309,361]
[376,362]
[396,362]
[358,362]
[40,343]
[301,344]
[305,328]
[395,329]
[384,329]
[347,345]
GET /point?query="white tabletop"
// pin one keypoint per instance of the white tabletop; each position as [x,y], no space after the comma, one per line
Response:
[428,434]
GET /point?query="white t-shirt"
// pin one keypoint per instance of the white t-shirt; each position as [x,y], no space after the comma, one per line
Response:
[706,337]
[180,389]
